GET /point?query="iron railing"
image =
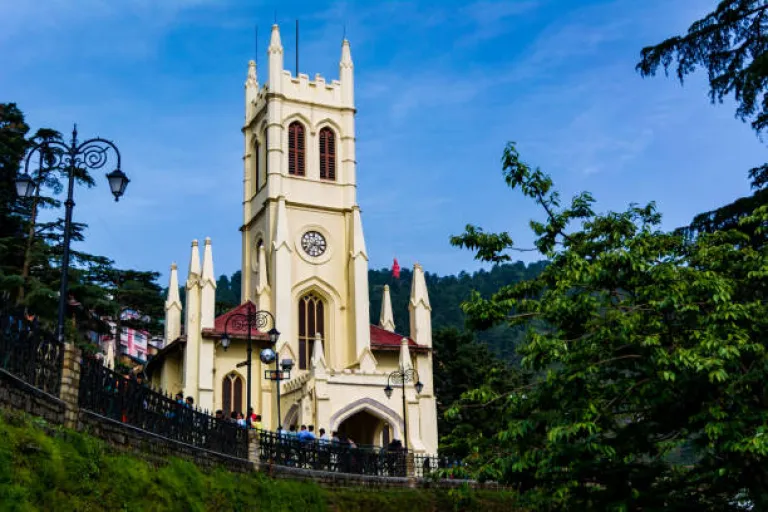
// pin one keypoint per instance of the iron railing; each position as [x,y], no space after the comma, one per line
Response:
[110,394]
[425,466]
[284,450]
[30,353]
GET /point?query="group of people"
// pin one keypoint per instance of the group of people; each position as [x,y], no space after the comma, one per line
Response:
[251,420]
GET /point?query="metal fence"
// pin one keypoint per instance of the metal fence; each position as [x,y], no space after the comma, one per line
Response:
[429,465]
[110,394]
[29,352]
[330,456]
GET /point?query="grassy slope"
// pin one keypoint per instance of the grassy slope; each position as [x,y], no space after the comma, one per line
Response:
[58,470]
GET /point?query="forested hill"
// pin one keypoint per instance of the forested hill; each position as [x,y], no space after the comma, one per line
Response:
[446,294]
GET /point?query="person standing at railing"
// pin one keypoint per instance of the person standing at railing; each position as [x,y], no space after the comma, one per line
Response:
[257,422]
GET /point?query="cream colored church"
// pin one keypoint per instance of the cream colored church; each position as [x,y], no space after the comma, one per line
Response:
[304,259]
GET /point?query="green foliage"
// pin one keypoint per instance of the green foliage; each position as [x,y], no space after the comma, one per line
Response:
[69,471]
[639,343]
[730,43]
[446,294]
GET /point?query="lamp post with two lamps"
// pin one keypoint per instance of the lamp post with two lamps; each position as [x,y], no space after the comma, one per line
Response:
[277,375]
[251,319]
[69,159]
[402,376]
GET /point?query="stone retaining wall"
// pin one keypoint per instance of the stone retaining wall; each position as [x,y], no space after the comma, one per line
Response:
[17,394]
[154,447]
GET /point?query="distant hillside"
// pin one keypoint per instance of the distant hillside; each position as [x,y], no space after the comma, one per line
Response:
[446,295]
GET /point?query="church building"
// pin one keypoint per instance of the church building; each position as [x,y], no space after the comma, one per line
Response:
[305,261]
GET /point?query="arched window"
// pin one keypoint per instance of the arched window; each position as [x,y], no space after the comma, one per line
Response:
[311,321]
[327,154]
[296,149]
[232,394]
[257,165]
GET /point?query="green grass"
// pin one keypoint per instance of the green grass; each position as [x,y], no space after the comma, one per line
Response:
[52,469]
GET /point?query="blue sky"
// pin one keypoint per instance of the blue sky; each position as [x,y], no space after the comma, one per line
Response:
[441,86]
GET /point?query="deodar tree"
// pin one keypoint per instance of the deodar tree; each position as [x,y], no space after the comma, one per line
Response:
[640,343]
[730,43]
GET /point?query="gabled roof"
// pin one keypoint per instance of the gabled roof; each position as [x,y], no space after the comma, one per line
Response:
[236,327]
[382,339]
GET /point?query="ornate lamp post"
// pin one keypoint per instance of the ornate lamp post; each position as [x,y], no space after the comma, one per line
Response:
[68,158]
[402,377]
[249,320]
[267,357]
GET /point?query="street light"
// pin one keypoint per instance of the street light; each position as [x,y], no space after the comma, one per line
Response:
[280,373]
[249,320]
[403,376]
[68,158]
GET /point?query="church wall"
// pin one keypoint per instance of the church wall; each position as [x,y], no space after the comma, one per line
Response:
[226,363]
[326,275]
[388,360]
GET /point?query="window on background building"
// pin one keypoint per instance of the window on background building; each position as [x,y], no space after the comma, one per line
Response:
[232,394]
[296,146]
[327,154]
[311,321]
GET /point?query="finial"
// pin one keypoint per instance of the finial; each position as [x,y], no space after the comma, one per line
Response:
[174,266]
[207,240]
[194,243]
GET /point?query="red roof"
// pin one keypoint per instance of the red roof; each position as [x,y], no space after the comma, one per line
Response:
[382,339]
[236,327]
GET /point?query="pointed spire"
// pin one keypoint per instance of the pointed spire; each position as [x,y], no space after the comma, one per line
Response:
[405,355]
[207,274]
[282,233]
[346,55]
[194,264]
[173,288]
[346,74]
[358,240]
[386,319]
[275,44]
[275,57]
[419,288]
[252,79]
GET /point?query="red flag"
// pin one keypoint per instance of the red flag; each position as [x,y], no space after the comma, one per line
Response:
[396,270]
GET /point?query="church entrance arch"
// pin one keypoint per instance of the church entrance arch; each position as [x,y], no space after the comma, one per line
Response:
[367,422]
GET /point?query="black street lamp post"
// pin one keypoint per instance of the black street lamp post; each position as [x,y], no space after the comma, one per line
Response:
[251,319]
[68,158]
[281,372]
[402,376]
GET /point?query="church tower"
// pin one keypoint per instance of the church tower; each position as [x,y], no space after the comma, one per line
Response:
[304,256]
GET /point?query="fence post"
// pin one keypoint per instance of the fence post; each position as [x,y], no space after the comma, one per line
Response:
[410,469]
[70,384]
[253,447]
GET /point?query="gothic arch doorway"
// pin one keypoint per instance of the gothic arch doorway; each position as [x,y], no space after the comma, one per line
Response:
[368,422]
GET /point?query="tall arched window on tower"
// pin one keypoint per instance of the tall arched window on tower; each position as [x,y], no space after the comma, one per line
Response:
[232,394]
[311,322]
[327,154]
[296,149]
[256,165]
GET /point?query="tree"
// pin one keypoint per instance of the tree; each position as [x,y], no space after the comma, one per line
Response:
[639,342]
[730,43]
[462,364]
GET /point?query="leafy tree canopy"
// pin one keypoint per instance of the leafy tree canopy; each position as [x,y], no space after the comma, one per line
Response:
[643,343]
[730,43]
